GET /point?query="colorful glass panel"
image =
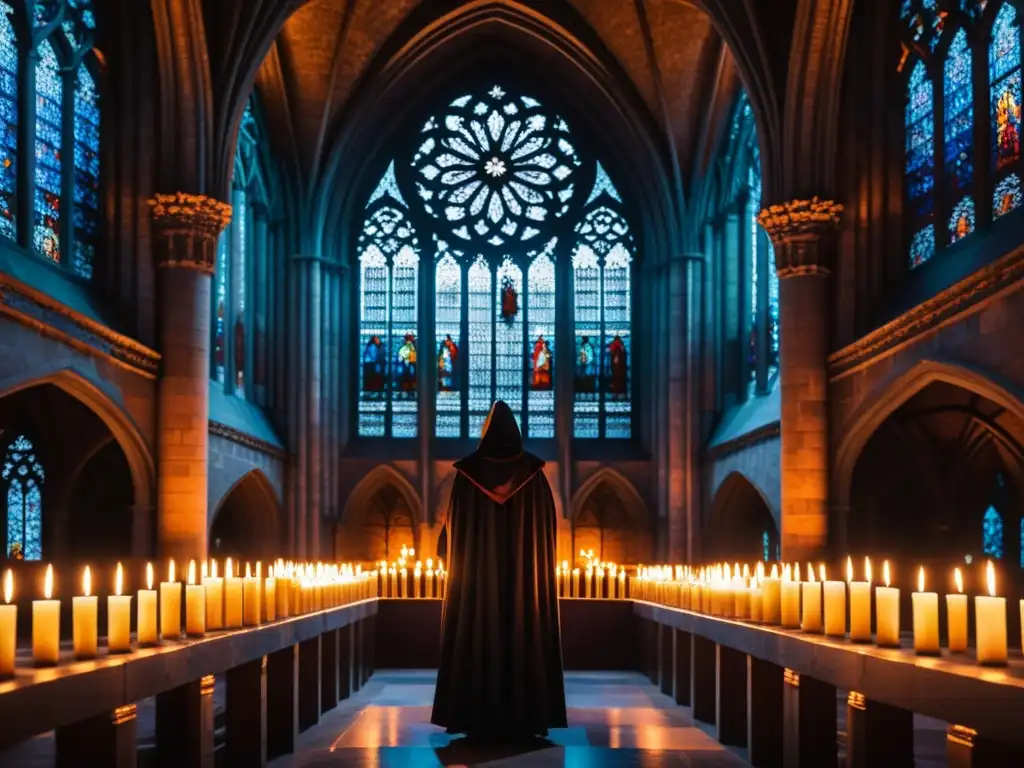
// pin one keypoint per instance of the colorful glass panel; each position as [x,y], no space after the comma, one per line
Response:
[481,351]
[919,162]
[508,337]
[87,173]
[49,122]
[220,308]
[540,312]
[992,533]
[8,125]
[373,332]
[961,221]
[404,330]
[241,239]
[23,477]
[958,119]
[1005,89]
[587,363]
[448,336]
[617,342]
[922,246]
[1007,196]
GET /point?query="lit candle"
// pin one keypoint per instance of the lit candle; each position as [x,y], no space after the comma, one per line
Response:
[430,582]
[956,616]
[8,628]
[402,578]
[590,581]
[83,619]
[622,584]
[575,582]
[119,617]
[170,606]
[835,604]
[147,626]
[810,620]
[887,613]
[214,598]
[195,604]
[46,625]
[251,597]
[756,604]
[392,582]
[232,598]
[860,603]
[926,619]
[416,582]
[791,598]
[270,595]
[442,582]
[990,623]
[771,597]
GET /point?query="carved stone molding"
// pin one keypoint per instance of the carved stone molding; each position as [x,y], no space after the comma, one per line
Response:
[236,436]
[55,320]
[187,228]
[971,294]
[798,230]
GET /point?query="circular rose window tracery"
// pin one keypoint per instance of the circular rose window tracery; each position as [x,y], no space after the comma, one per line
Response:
[496,169]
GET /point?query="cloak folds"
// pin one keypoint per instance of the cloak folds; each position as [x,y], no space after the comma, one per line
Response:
[501,654]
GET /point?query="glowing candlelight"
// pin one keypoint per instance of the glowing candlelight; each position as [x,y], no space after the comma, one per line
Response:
[887,612]
[990,623]
[835,605]
[147,626]
[46,625]
[232,597]
[790,598]
[214,597]
[771,597]
[860,603]
[270,595]
[8,628]
[170,606]
[956,615]
[195,604]
[810,620]
[926,618]
[251,598]
[119,617]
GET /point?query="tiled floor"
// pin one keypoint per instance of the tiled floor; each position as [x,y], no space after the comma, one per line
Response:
[615,719]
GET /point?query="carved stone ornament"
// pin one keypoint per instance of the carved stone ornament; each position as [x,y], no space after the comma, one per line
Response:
[187,228]
[797,229]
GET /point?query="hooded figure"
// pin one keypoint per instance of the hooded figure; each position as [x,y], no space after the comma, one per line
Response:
[500,675]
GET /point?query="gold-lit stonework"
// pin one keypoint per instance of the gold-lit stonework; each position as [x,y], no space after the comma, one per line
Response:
[188,227]
[796,229]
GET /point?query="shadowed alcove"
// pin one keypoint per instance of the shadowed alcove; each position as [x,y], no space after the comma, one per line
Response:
[611,520]
[247,525]
[380,518]
[740,525]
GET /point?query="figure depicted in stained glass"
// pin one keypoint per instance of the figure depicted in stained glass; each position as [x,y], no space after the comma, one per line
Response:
[509,299]
[586,366]
[618,367]
[23,477]
[1007,128]
[542,359]
[373,365]
[447,358]
[992,533]
[405,364]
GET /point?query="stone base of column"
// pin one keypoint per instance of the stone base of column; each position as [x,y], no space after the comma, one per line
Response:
[108,739]
[764,713]
[309,683]
[345,675]
[703,677]
[184,725]
[682,667]
[666,657]
[245,715]
[282,701]
[966,748]
[878,734]
[731,696]
[329,670]
[809,731]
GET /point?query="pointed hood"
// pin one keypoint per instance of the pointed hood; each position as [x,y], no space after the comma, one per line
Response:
[500,467]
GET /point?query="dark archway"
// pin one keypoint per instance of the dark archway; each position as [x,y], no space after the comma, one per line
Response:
[100,506]
[381,515]
[740,526]
[247,525]
[932,471]
[611,520]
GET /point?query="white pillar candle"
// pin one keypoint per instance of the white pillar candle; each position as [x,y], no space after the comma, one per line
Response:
[756,601]
[771,598]
[251,598]
[741,600]
[430,583]
[417,577]
[926,619]
[810,617]
[590,582]
[282,593]
[887,613]
[8,628]
[860,604]
[790,599]
[195,604]
[232,599]
[270,596]
[214,598]
[46,625]
[402,574]
[622,584]
[575,583]
[990,623]
[835,608]
[119,617]
[84,610]
[147,633]
[170,606]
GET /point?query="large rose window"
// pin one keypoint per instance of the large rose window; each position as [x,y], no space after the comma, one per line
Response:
[496,169]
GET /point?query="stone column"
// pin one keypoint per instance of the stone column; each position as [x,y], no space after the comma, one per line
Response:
[802,232]
[185,232]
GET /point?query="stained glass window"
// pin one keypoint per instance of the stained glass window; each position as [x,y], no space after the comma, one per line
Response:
[49,127]
[922,247]
[239,257]
[220,308]
[23,478]
[448,334]
[8,124]
[992,533]
[1022,542]
[508,337]
[919,163]
[481,352]
[541,347]
[958,133]
[1005,95]
[404,338]
[87,172]
[766,546]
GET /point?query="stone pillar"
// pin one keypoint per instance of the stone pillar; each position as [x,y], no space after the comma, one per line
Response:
[703,679]
[802,232]
[878,734]
[966,748]
[731,696]
[185,232]
[678,368]
[809,723]
[764,713]
[245,715]
[184,725]
[108,739]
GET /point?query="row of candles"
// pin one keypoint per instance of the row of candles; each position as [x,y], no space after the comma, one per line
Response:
[211,603]
[818,605]
[428,582]
[595,580]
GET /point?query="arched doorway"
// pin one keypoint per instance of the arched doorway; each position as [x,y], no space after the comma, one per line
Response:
[611,520]
[740,525]
[247,524]
[941,478]
[381,516]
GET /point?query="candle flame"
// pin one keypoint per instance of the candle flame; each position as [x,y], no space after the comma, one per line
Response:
[787,574]
[775,570]
[727,576]
[119,580]
[270,572]
[149,575]
[796,572]
[259,567]
[760,571]
[248,571]
[8,586]
[191,572]
[170,572]
[920,579]
[213,568]
[867,570]
[229,572]
[810,573]
[204,571]
[821,571]
[990,576]
[849,568]
[959,579]
[48,583]
[885,572]
[86,581]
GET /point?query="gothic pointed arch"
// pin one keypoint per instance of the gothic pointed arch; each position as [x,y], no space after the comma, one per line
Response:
[610,517]
[247,522]
[740,524]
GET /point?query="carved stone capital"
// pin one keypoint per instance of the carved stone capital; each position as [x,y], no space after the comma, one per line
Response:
[187,228]
[797,230]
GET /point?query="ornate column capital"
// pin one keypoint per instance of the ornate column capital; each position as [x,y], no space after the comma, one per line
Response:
[796,229]
[188,227]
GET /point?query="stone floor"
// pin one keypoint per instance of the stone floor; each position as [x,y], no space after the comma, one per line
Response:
[615,719]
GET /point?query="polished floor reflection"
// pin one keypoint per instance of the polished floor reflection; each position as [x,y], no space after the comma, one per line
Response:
[615,719]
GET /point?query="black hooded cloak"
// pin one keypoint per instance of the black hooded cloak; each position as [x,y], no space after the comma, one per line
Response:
[501,655]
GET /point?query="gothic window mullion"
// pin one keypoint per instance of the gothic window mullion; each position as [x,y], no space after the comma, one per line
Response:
[462,370]
[526,353]
[764,310]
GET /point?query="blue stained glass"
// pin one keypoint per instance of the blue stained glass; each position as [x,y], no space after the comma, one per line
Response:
[481,335]
[221,308]
[920,143]
[508,336]
[240,243]
[617,342]
[373,331]
[87,172]
[992,533]
[448,337]
[23,476]
[404,332]
[49,121]
[603,186]
[922,246]
[773,311]
[1007,196]
[959,116]
[1005,90]
[8,124]
[961,221]
[1022,542]
[587,362]
[766,546]
[540,347]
